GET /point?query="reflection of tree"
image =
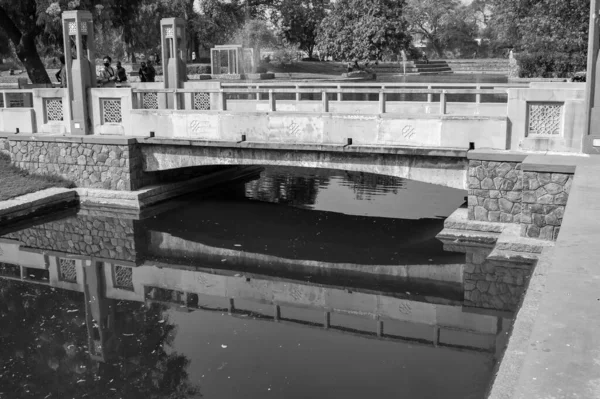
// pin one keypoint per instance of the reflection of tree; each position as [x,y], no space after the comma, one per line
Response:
[366,185]
[300,186]
[291,186]
[43,349]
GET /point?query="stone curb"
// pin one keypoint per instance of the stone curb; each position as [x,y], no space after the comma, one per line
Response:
[26,205]
[497,155]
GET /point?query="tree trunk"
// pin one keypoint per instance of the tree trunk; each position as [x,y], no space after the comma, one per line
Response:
[29,57]
[25,48]
[310,51]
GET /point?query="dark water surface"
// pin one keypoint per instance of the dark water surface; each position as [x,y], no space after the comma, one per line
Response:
[303,283]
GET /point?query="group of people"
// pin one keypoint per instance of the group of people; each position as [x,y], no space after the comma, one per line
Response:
[108,76]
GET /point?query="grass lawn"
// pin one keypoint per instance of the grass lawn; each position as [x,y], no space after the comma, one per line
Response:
[15,182]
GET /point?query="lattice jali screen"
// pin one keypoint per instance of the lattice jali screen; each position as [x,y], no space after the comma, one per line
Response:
[202,101]
[150,100]
[123,277]
[169,32]
[111,110]
[54,109]
[67,270]
[73,28]
[544,118]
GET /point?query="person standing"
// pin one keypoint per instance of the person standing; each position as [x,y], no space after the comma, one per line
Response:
[151,72]
[107,76]
[61,75]
[143,72]
[121,73]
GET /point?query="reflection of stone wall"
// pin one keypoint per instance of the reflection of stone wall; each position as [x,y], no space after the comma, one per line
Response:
[493,284]
[102,237]
[495,191]
[545,198]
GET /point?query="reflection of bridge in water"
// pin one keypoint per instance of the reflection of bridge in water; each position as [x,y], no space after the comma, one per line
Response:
[375,301]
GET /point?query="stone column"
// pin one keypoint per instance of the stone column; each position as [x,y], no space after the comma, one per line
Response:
[78,34]
[174,45]
[593,83]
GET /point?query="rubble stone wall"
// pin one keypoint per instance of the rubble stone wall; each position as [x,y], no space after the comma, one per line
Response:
[503,192]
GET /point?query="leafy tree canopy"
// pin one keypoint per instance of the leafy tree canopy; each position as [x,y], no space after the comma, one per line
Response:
[364,29]
[299,20]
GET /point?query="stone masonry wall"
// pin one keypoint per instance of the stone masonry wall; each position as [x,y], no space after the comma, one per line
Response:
[503,192]
[545,198]
[105,166]
[103,237]
[495,191]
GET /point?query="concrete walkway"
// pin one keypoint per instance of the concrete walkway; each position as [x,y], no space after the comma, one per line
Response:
[554,350]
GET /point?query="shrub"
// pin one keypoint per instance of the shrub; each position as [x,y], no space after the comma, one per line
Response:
[198,70]
[550,64]
[286,55]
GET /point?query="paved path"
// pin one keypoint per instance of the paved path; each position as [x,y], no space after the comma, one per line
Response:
[554,351]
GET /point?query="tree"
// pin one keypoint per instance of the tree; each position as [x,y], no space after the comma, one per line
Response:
[458,32]
[430,19]
[364,29]
[298,21]
[543,30]
[218,22]
[27,23]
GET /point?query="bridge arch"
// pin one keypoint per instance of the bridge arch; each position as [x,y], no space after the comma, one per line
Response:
[443,167]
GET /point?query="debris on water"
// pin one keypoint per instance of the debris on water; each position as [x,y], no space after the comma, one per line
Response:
[224,346]
[161,321]
[237,275]
[72,310]
[431,260]
[237,245]
[80,381]
[128,335]
[223,260]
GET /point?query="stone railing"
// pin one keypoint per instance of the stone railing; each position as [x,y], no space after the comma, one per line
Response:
[35,110]
[331,98]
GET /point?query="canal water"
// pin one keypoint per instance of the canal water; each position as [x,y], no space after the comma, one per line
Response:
[294,283]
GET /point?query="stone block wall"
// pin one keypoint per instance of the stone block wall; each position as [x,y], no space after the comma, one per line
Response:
[495,191]
[105,166]
[90,165]
[102,237]
[503,192]
[493,284]
[545,197]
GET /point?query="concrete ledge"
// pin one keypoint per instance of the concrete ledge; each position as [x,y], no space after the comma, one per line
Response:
[511,240]
[26,205]
[105,200]
[497,155]
[375,149]
[551,163]
[459,220]
[463,237]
